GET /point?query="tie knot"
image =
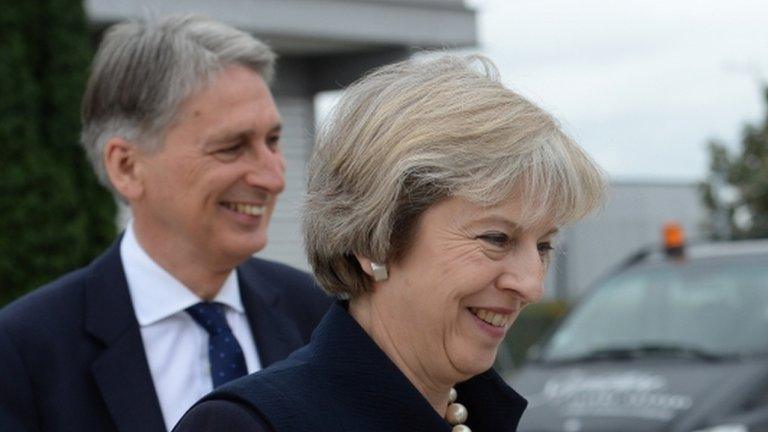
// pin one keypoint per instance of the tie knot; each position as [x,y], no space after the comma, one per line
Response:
[210,316]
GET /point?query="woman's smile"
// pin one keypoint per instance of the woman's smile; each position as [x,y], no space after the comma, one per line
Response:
[493,321]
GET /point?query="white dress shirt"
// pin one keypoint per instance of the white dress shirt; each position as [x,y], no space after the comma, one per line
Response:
[176,347]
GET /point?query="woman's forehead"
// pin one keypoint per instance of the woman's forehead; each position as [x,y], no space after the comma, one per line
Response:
[511,215]
[514,218]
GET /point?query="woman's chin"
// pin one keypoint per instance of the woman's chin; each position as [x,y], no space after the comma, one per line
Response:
[474,363]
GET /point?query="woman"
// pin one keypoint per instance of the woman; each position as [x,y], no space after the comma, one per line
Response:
[433,198]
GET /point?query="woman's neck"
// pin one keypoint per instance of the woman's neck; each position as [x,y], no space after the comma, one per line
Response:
[403,354]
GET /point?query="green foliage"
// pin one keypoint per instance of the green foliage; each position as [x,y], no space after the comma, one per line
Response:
[533,323]
[736,190]
[53,215]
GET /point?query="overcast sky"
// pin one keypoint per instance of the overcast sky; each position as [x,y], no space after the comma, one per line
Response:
[642,85]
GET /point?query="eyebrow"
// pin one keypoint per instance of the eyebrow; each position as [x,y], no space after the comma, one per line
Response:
[231,136]
[512,226]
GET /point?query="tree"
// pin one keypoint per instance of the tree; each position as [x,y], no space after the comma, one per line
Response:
[736,189]
[54,217]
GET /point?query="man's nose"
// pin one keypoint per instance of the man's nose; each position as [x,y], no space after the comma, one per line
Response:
[266,169]
[523,273]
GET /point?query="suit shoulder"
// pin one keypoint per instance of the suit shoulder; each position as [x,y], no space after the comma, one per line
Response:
[293,293]
[64,298]
[222,415]
[60,296]
[275,270]
[290,281]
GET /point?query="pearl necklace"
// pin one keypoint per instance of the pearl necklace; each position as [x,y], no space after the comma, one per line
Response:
[456,414]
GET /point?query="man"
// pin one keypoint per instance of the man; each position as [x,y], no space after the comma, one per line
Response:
[178,120]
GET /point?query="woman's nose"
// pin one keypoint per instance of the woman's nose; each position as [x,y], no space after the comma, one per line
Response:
[523,273]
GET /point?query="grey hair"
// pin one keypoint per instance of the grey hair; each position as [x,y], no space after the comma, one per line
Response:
[417,132]
[143,71]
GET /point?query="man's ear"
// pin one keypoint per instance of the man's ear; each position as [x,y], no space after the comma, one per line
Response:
[121,160]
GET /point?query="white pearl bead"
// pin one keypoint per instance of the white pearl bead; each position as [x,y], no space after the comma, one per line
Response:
[461,428]
[456,413]
[452,395]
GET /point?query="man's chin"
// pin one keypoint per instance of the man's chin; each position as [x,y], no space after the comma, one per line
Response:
[242,252]
[235,246]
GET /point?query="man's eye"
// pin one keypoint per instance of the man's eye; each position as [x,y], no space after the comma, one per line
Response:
[229,152]
[231,149]
[273,142]
[495,239]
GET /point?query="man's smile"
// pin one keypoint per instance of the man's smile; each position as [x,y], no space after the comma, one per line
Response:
[246,208]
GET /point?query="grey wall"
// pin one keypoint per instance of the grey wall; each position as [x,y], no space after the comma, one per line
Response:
[322,26]
[284,231]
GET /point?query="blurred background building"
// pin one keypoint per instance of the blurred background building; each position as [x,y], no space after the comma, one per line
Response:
[555,54]
[322,45]
[326,44]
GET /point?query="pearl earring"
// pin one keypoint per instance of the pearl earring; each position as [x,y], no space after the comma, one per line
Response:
[379,272]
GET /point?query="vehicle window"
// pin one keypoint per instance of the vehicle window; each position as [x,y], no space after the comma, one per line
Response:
[718,308]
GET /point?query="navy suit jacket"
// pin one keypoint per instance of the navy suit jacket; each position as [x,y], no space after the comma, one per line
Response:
[72,358]
[342,382]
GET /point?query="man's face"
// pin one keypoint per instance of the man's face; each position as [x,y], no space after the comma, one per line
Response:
[209,192]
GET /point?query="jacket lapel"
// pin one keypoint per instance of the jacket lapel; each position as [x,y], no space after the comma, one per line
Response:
[276,336]
[121,371]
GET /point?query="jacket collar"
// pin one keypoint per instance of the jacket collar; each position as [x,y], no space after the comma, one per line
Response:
[121,371]
[275,335]
[373,385]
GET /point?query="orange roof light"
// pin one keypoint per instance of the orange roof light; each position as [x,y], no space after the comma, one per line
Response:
[674,239]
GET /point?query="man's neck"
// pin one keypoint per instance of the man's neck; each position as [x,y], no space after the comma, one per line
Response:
[200,274]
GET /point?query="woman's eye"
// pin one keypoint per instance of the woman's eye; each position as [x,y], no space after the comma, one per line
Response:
[545,248]
[495,239]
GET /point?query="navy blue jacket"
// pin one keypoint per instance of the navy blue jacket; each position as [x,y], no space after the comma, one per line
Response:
[342,381]
[72,358]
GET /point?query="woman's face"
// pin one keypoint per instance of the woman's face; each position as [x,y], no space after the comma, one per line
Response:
[470,270]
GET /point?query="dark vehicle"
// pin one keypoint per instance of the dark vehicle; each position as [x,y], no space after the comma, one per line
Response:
[673,341]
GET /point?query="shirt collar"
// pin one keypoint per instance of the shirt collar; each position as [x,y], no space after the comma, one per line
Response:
[155,293]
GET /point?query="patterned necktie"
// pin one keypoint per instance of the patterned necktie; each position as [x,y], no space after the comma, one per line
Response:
[225,355]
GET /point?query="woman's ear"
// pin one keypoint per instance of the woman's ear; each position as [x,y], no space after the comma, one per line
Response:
[365,264]
[121,164]
[375,270]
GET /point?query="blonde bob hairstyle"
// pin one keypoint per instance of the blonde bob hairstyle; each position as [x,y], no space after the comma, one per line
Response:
[414,133]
